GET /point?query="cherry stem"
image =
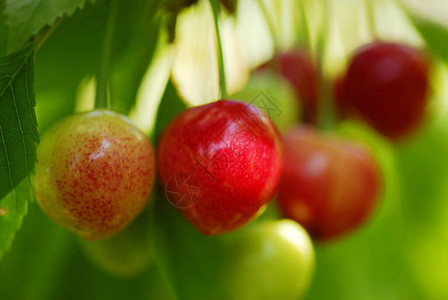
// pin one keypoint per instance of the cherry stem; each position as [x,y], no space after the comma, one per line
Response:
[270,24]
[40,40]
[371,24]
[222,74]
[102,100]
[304,24]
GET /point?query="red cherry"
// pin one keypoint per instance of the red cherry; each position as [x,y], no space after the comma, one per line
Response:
[387,84]
[225,157]
[329,186]
[299,70]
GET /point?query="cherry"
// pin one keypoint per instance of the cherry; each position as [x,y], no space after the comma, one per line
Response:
[299,70]
[328,185]
[220,163]
[95,173]
[387,85]
[127,254]
[270,260]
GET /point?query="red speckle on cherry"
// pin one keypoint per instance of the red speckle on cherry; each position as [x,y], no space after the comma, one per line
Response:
[95,173]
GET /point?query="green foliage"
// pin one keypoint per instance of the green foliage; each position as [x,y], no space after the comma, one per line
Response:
[27,17]
[423,170]
[126,254]
[399,254]
[185,256]
[170,106]
[135,43]
[434,34]
[47,259]
[13,209]
[3,29]
[76,45]
[70,54]
[18,125]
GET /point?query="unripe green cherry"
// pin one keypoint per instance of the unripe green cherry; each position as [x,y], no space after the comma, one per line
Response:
[127,254]
[95,173]
[270,260]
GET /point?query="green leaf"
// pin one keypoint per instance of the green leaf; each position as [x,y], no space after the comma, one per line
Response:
[12,210]
[46,258]
[3,28]
[27,17]
[18,125]
[435,35]
[70,54]
[75,46]
[137,42]
[170,106]
[188,260]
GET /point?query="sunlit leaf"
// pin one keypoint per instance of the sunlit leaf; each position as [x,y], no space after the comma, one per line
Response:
[3,28]
[435,35]
[195,66]
[137,41]
[143,113]
[435,10]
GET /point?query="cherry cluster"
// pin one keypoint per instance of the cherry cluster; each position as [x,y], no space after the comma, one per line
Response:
[221,163]
[329,184]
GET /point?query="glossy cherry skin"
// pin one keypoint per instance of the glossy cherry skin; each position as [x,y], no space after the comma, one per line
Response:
[387,85]
[270,260]
[329,186]
[299,70]
[95,173]
[232,150]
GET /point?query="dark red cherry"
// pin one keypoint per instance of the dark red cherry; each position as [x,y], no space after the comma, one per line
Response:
[387,85]
[328,185]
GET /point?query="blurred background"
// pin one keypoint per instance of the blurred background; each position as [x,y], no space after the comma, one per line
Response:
[166,52]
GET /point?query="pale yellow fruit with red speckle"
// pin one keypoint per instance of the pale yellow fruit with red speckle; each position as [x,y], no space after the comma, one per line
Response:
[95,173]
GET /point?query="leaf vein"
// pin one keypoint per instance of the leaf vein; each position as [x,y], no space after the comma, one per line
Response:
[10,62]
[33,11]
[7,158]
[30,102]
[9,84]
[20,125]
